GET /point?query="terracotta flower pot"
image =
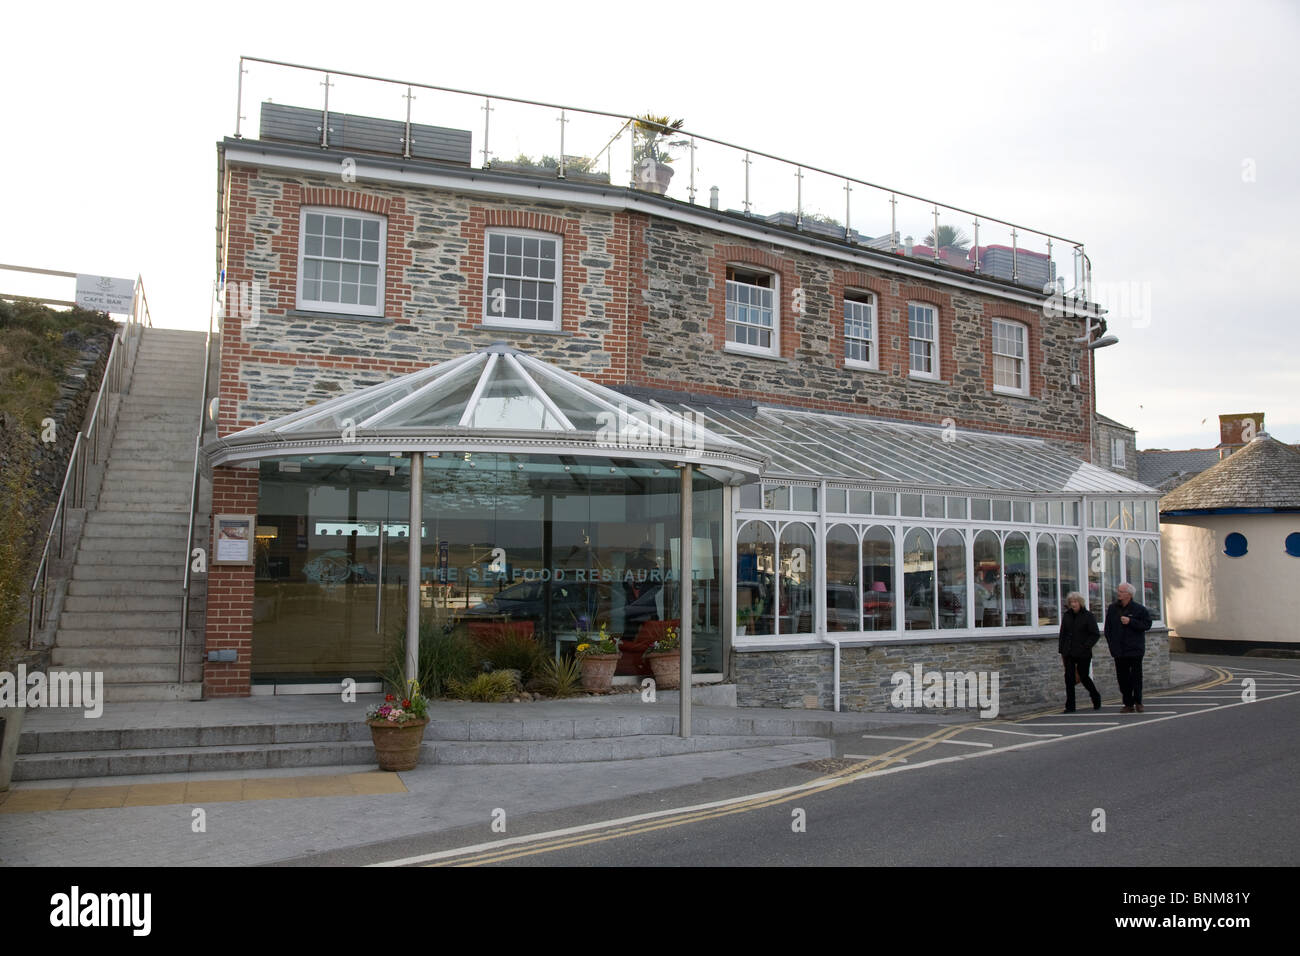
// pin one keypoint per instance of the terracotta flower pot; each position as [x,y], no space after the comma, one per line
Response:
[598,672]
[397,746]
[667,667]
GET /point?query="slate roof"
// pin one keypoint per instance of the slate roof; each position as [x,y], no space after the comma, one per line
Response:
[1105,420]
[1265,473]
[1158,468]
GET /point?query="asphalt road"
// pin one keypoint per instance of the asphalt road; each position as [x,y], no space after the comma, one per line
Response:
[1202,778]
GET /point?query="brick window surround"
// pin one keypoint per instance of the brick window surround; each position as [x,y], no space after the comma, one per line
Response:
[788,338]
[1032,321]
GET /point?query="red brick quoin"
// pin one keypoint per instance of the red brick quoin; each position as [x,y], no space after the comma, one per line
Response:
[230,592]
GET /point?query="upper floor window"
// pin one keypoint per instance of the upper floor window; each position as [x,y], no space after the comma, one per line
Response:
[522,280]
[751,310]
[341,261]
[1010,357]
[923,337]
[860,330]
[1117,453]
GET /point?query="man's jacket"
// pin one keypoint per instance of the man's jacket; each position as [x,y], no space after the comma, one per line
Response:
[1127,640]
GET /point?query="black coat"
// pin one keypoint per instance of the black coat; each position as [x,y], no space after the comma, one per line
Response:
[1078,633]
[1127,640]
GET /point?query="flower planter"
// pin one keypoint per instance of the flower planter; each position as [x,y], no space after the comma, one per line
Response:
[397,746]
[653,176]
[667,667]
[598,672]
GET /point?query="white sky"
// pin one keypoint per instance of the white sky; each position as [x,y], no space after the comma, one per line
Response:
[1164,138]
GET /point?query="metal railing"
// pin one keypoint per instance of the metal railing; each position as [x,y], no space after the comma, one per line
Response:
[804,197]
[86,447]
[194,487]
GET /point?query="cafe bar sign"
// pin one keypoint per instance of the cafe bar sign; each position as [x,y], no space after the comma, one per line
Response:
[105,294]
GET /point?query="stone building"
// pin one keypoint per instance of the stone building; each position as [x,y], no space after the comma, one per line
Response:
[892,454]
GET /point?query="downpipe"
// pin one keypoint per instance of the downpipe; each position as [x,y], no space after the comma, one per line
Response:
[835,643]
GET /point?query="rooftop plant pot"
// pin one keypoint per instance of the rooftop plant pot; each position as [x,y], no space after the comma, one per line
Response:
[653,176]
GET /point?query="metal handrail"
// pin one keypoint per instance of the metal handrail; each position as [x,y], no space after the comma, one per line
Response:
[749,153]
[118,369]
[194,489]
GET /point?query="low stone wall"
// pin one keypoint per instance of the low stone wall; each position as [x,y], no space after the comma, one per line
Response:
[1029,672]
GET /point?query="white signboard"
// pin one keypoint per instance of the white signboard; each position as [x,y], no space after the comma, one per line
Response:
[105,294]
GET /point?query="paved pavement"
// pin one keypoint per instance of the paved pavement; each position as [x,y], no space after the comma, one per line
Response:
[275,825]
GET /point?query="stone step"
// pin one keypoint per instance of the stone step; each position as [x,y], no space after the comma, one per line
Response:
[145,552]
[98,657]
[128,508]
[122,636]
[270,756]
[172,571]
[96,550]
[92,603]
[98,620]
[162,495]
[198,586]
[104,525]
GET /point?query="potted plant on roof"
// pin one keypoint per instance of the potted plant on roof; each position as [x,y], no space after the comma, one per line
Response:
[397,728]
[652,151]
[665,657]
[598,656]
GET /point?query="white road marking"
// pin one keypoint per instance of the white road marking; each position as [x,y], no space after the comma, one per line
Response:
[1018,733]
[1091,723]
[960,743]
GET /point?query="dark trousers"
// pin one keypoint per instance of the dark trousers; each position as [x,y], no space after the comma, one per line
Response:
[1079,665]
[1128,671]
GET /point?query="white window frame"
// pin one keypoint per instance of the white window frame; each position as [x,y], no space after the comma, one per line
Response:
[490,318]
[1022,359]
[1117,460]
[775,348]
[933,374]
[868,301]
[346,308]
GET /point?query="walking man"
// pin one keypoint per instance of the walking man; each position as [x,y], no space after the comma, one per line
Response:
[1127,623]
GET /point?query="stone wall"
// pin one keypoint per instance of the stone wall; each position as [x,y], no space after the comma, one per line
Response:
[1102,452]
[1030,673]
[643,304]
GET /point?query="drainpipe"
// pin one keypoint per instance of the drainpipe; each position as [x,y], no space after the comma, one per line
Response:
[834,642]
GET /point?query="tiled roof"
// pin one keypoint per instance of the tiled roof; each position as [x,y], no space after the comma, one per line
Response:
[1155,468]
[1265,473]
[1114,424]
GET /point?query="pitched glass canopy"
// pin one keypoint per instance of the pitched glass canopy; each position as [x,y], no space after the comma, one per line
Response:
[495,399]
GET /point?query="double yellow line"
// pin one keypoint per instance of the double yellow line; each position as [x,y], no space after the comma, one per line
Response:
[743,805]
[830,781]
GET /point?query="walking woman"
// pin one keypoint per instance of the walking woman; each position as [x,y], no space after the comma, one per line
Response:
[1078,635]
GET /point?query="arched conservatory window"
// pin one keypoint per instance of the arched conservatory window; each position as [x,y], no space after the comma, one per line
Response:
[988,580]
[1015,574]
[918,580]
[1048,598]
[1151,579]
[878,597]
[951,559]
[843,600]
[798,559]
[755,578]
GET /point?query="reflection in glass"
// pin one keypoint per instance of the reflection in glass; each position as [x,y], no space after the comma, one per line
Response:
[988,580]
[951,559]
[755,579]
[1151,579]
[1096,564]
[918,580]
[1048,608]
[1111,547]
[878,580]
[1069,565]
[1015,574]
[843,602]
[797,564]
[1133,567]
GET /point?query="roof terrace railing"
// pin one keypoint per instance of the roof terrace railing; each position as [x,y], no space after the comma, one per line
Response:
[664,158]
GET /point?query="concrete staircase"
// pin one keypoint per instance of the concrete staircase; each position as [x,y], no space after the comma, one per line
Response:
[122,612]
[211,745]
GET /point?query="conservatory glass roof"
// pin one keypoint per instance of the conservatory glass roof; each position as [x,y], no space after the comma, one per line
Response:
[804,444]
[496,399]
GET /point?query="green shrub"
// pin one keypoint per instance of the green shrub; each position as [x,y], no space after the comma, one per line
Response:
[562,678]
[445,657]
[513,652]
[488,688]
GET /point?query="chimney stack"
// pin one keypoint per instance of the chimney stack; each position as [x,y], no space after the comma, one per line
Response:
[1238,429]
